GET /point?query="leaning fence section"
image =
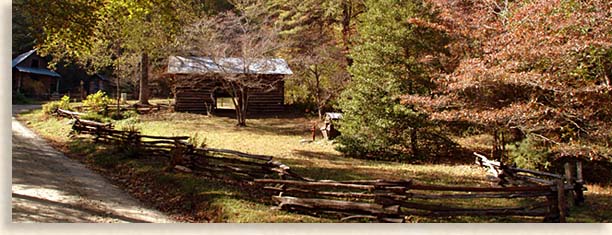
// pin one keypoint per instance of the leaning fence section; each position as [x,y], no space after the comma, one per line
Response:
[569,186]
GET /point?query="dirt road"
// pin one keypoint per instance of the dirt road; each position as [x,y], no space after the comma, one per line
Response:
[49,187]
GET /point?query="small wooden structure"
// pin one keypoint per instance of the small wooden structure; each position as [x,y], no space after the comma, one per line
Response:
[99,82]
[32,78]
[198,86]
[329,130]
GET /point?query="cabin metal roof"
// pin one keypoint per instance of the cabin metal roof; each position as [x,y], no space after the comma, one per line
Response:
[333,116]
[203,65]
[21,58]
[39,71]
[27,69]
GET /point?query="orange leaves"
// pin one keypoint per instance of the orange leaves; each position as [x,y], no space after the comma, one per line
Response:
[516,68]
[508,116]
[426,24]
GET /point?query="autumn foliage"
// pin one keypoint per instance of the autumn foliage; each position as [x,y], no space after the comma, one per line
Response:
[535,73]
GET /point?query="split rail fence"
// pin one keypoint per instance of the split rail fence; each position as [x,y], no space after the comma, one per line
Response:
[184,156]
[382,200]
[140,109]
[393,201]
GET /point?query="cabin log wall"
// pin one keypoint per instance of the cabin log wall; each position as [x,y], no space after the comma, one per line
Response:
[198,97]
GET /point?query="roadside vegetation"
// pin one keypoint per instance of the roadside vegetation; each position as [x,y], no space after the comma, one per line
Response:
[199,199]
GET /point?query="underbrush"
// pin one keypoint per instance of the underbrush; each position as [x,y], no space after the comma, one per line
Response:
[20,98]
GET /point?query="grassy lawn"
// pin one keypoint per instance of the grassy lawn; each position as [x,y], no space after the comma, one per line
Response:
[200,199]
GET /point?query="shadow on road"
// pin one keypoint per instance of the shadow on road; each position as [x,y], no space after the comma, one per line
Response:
[68,211]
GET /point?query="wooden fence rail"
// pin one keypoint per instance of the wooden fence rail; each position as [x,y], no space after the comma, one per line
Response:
[183,156]
[392,201]
[113,108]
[518,176]
[382,200]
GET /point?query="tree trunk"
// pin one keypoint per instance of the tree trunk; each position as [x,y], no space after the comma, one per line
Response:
[143,97]
[243,107]
[414,142]
[318,91]
[346,29]
[240,104]
[118,95]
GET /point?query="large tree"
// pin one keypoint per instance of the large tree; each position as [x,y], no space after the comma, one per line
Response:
[102,34]
[314,48]
[63,27]
[393,57]
[247,33]
[23,30]
[534,74]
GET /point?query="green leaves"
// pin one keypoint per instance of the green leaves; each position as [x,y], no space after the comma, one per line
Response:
[97,102]
[101,34]
[63,27]
[386,66]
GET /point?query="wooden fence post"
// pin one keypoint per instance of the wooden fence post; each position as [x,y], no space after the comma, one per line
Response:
[570,180]
[579,185]
[137,141]
[189,150]
[561,201]
[176,155]
[553,209]
[97,130]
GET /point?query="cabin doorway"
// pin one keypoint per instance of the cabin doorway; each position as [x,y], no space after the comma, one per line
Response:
[223,103]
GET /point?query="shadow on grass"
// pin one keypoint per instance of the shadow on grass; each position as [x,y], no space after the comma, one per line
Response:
[430,177]
[361,169]
[596,209]
[282,125]
[286,124]
[191,197]
[318,155]
[285,127]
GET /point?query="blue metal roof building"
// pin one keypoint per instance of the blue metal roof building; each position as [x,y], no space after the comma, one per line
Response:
[31,76]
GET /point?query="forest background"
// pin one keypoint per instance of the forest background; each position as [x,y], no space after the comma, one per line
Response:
[414,78]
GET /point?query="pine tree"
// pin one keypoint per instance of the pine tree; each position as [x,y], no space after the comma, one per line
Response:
[388,62]
[313,31]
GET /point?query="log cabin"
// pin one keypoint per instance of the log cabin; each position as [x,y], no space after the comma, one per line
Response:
[31,77]
[198,86]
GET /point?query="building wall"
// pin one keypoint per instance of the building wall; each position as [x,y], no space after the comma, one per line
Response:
[34,61]
[33,85]
[96,85]
[199,97]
